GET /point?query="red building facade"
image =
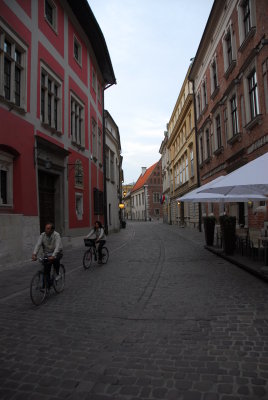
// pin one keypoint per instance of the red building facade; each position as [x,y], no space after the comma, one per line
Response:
[54,67]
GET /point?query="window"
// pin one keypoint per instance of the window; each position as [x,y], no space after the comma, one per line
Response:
[50,100]
[246,21]
[218,131]
[198,105]
[51,13]
[180,173]
[186,168]
[79,205]
[78,174]
[183,171]
[228,48]
[156,197]
[214,78]
[94,138]
[192,162]
[207,143]
[99,93]
[253,94]
[190,122]
[13,58]
[234,117]
[77,51]
[201,149]
[77,122]
[229,51]
[107,153]
[225,122]
[99,146]
[94,81]
[246,17]
[98,201]
[112,166]
[265,81]
[204,92]
[6,179]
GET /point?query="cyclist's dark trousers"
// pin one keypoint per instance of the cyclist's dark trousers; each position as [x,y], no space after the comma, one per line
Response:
[101,244]
[47,267]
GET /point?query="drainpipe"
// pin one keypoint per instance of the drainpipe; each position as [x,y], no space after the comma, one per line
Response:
[197,157]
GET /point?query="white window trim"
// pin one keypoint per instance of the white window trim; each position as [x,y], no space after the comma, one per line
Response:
[6,164]
[6,32]
[55,79]
[54,24]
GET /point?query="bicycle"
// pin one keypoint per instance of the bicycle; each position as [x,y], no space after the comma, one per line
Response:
[41,282]
[92,254]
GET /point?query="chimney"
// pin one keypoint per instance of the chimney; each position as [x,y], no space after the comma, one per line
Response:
[143,170]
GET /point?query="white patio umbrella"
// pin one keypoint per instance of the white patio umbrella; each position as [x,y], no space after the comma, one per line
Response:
[195,196]
[248,181]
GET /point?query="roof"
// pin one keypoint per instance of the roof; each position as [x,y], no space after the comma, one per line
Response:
[88,22]
[143,178]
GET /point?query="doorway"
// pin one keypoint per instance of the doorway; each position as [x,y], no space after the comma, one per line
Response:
[46,187]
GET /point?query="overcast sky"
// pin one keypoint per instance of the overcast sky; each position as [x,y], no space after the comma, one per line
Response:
[150,43]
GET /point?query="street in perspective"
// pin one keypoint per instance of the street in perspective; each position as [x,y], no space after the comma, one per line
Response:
[163,319]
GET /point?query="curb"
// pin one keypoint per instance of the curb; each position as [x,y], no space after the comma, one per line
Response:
[237,263]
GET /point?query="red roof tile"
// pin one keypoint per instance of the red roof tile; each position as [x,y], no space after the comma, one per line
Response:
[143,178]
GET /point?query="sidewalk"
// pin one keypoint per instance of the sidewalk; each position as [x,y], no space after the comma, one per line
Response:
[254,267]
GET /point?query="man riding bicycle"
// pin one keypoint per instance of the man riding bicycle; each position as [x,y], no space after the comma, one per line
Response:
[50,241]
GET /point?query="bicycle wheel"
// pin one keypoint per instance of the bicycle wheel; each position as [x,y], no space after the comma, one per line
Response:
[38,288]
[87,259]
[59,281]
[105,255]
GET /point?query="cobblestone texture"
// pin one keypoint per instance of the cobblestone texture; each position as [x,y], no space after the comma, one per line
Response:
[164,319]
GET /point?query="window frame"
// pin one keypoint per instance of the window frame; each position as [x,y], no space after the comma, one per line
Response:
[48,99]
[10,58]
[253,94]
[79,46]
[214,76]
[77,121]
[53,24]
[218,131]
[234,115]
[94,133]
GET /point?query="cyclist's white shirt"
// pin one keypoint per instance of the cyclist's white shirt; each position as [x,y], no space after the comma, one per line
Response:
[97,234]
[51,245]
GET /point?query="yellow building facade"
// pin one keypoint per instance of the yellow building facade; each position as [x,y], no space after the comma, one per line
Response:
[182,167]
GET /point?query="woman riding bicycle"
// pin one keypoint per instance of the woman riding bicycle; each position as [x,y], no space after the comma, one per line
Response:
[98,235]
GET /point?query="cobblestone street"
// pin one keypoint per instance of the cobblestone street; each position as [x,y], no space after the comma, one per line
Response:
[164,319]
